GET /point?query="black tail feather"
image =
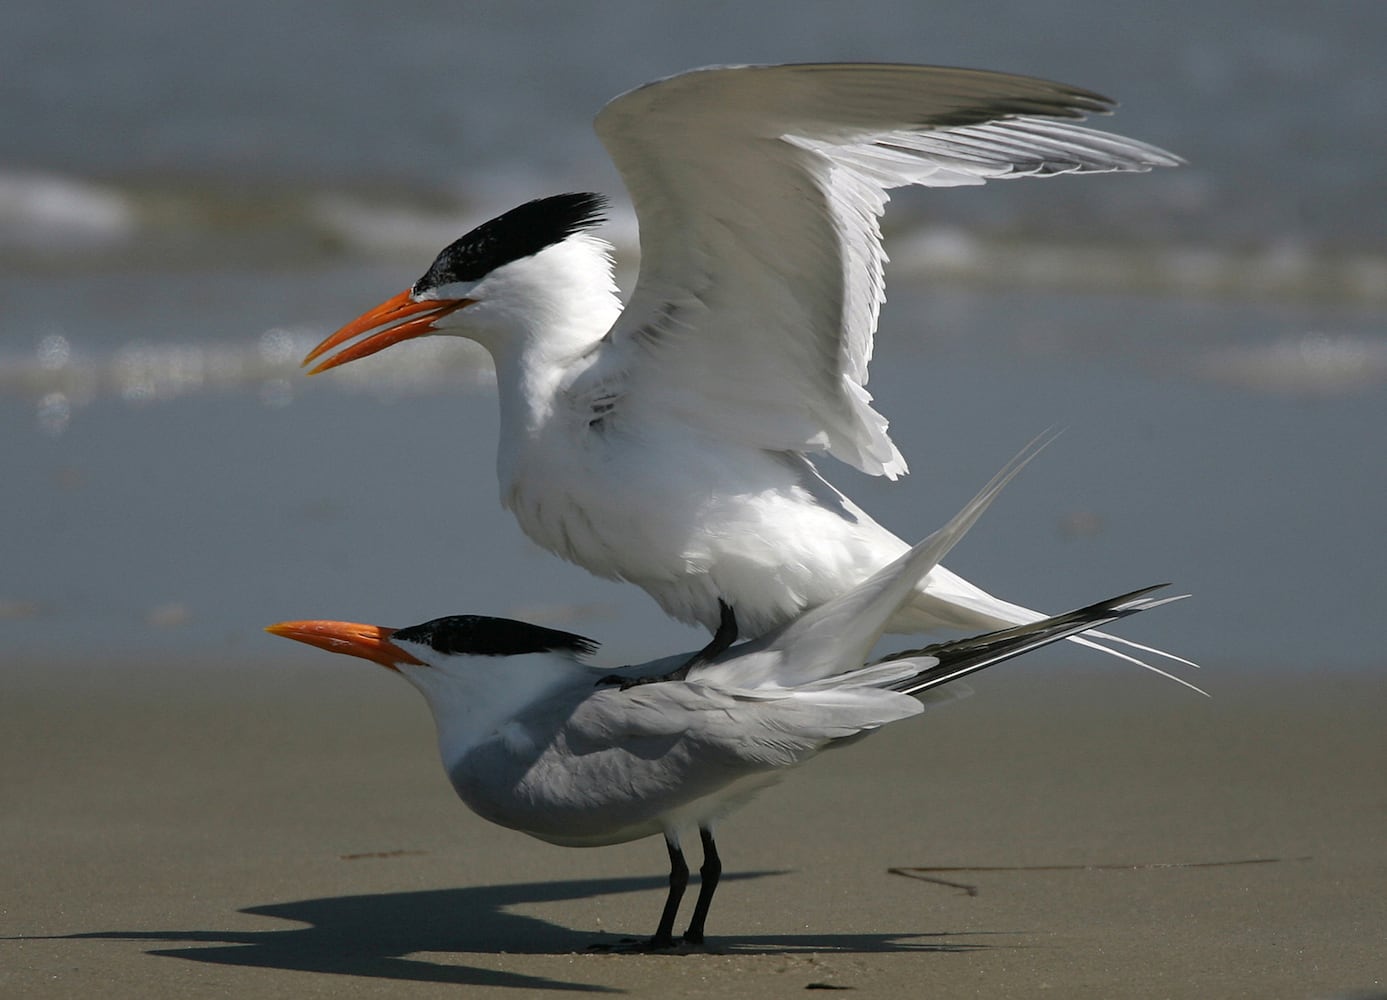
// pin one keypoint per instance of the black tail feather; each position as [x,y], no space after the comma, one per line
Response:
[961,657]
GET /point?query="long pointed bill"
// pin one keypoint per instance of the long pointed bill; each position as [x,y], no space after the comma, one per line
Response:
[370,642]
[403,319]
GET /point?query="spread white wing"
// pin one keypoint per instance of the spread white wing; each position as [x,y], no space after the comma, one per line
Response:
[758,191]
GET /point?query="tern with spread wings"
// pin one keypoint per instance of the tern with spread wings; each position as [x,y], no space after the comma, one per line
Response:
[673,443]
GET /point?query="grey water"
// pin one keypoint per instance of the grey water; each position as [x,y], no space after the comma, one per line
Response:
[192,194]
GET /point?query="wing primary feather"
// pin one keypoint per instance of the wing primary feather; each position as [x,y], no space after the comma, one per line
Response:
[758,192]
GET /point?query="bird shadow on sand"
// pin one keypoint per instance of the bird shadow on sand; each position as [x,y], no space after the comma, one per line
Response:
[374,936]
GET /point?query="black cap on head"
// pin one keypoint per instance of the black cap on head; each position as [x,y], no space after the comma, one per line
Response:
[521,232]
[480,635]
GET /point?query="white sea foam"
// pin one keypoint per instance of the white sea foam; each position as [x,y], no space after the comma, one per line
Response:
[47,213]
[46,217]
[1283,270]
[61,379]
[378,227]
[1312,364]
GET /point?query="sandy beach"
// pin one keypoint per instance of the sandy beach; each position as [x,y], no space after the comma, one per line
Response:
[285,830]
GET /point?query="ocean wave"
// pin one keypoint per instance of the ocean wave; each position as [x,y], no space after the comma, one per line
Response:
[59,379]
[1283,271]
[63,224]
[375,227]
[1314,364]
[46,219]
[53,214]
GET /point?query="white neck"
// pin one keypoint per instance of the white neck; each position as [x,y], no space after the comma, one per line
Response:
[472,696]
[541,318]
[549,307]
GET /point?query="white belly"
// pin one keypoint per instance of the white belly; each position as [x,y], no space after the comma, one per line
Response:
[691,525]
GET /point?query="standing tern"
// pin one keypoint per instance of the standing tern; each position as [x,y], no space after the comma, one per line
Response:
[535,740]
[672,443]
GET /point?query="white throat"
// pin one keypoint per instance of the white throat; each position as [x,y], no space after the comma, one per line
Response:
[548,307]
[471,697]
[542,318]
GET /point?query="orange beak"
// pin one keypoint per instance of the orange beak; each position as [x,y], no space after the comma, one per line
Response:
[370,642]
[403,319]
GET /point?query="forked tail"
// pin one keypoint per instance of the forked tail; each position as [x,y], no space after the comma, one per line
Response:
[961,657]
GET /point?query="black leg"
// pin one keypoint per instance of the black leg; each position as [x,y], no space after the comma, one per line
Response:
[678,880]
[722,639]
[710,873]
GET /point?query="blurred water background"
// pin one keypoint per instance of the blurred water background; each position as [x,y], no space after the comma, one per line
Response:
[192,194]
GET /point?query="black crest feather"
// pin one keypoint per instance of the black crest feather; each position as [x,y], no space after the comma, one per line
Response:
[521,232]
[480,635]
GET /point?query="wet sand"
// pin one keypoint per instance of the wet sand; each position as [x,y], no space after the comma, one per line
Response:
[285,830]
